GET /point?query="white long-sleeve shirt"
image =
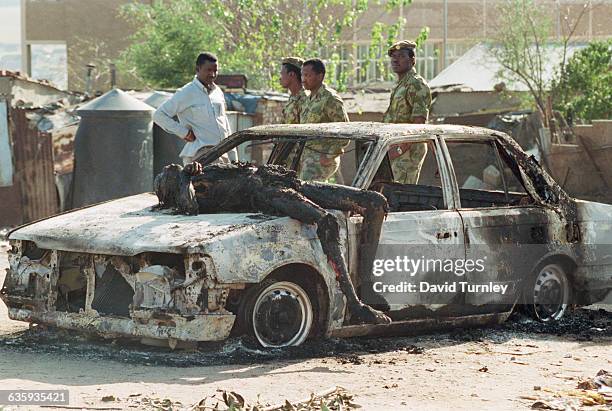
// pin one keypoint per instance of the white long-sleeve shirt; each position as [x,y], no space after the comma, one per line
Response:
[197,110]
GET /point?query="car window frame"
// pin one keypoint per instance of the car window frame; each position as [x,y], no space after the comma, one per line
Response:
[241,137]
[380,151]
[277,157]
[475,138]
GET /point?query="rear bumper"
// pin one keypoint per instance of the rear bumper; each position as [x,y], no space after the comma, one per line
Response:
[203,327]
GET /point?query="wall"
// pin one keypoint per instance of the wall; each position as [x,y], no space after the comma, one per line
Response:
[96,23]
[585,169]
[33,194]
[33,152]
[83,26]
[473,19]
[269,111]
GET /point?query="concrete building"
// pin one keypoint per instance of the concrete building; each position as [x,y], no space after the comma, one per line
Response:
[93,31]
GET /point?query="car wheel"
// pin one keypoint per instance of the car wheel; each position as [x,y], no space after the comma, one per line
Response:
[548,296]
[280,314]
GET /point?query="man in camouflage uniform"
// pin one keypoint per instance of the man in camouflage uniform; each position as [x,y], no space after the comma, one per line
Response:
[291,79]
[410,101]
[321,159]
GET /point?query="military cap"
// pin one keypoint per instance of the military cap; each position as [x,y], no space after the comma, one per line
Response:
[293,61]
[401,45]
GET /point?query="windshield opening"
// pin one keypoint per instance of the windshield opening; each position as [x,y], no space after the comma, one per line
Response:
[315,159]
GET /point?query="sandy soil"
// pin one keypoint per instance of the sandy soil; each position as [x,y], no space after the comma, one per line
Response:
[494,368]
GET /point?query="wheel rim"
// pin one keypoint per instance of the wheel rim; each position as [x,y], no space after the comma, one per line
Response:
[282,315]
[550,293]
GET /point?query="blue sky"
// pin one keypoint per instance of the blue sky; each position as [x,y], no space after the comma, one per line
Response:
[10,21]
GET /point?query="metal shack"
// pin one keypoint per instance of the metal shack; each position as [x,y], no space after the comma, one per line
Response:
[31,163]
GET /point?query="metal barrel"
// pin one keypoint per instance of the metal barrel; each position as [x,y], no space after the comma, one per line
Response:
[113,149]
[166,146]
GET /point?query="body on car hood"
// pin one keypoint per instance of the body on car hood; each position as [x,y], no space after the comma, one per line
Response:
[128,226]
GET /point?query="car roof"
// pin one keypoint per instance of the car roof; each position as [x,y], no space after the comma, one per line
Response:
[362,130]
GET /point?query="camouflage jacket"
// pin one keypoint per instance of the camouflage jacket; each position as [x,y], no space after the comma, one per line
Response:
[321,158]
[410,98]
[291,111]
[325,106]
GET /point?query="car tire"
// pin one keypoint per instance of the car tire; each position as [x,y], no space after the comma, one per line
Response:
[547,296]
[279,313]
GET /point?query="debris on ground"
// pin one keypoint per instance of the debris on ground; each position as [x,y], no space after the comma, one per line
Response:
[355,351]
[334,399]
[50,340]
[349,359]
[141,402]
[590,392]
[584,324]
[413,349]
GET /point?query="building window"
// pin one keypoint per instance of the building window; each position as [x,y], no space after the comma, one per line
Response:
[372,63]
[427,60]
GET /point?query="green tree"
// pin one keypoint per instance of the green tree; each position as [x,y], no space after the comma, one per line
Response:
[521,44]
[582,88]
[248,36]
[168,35]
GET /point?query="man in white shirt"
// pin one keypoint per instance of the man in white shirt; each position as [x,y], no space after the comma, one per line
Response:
[200,109]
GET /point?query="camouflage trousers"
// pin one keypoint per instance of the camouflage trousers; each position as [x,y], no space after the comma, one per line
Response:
[321,160]
[407,167]
[313,170]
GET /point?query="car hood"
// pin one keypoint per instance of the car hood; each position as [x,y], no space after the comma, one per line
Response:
[129,226]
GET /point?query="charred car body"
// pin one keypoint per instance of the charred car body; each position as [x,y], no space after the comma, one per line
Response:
[121,268]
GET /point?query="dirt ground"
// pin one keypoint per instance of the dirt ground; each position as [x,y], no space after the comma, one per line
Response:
[506,367]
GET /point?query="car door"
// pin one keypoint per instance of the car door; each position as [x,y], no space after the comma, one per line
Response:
[503,227]
[422,230]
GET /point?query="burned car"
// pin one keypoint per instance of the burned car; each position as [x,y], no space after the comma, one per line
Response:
[125,268]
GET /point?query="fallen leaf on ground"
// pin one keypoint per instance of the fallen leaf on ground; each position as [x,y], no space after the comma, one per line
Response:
[335,399]
[547,405]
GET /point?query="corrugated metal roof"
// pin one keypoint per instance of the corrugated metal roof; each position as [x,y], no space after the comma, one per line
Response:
[478,68]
